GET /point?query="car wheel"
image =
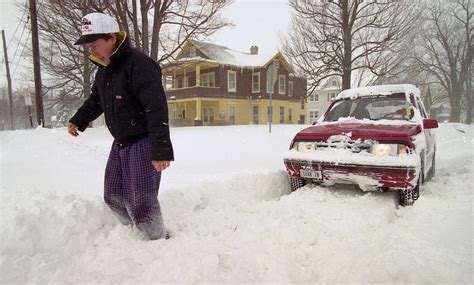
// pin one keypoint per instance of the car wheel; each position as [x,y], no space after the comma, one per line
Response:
[407,197]
[296,182]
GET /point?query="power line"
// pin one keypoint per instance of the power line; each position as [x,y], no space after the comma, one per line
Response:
[21,55]
[17,26]
[19,42]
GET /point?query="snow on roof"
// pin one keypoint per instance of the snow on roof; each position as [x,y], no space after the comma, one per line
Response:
[224,55]
[379,90]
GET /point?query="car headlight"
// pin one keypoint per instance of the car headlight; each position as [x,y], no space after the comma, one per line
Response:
[304,146]
[388,149]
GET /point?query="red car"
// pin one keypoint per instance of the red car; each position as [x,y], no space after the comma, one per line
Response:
[377,137]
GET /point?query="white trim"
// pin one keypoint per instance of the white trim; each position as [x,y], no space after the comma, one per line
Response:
[279,84]
[228,81]
[256,90]
[291,91]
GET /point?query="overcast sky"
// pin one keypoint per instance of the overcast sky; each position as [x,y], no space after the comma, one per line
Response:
[257,22]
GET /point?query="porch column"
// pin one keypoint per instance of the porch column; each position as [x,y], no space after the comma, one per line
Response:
[198,119]
[185,84]
[198,74]
[174,79]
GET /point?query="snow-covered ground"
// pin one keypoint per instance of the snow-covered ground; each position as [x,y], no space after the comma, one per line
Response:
[228,204]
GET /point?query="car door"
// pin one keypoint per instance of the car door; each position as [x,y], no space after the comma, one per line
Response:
[429,136]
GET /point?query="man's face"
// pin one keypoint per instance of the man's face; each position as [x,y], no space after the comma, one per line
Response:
[102,49]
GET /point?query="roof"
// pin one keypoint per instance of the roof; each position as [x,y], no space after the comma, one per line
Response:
[224,55]
[379,90]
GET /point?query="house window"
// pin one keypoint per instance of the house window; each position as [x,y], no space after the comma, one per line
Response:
[282,115]
[334,83]
[192,52]
[331,96]
[207,115]
[256,82]
[281,84]
[314,97]
[302,103]
[313,116]
[231,114]
[186,81]
[290,115]
[290,88]
[255,115]
[231,81]
[208,79]
[169,82]
[179,82]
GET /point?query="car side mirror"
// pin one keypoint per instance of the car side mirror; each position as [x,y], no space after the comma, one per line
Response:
[430,123]
[314,123]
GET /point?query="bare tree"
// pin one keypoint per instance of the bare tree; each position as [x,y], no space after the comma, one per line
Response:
[172,22]
[445,47]
[469,98]
[338,37]
[158,28]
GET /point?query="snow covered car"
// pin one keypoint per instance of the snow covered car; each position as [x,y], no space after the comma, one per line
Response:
[377,137]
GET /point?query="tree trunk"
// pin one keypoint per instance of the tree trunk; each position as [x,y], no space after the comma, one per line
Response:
[144,13]
[347,58]
[155,37]
[455,102]
[136,30]
[469,103]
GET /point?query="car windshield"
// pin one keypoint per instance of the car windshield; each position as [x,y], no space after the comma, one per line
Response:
[376,107]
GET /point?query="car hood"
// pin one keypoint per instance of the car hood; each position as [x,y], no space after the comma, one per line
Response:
[360,130]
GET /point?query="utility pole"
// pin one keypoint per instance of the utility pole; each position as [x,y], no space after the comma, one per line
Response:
[9,80]
[36,63]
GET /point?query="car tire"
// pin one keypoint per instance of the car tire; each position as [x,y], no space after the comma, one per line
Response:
[407,197]
[296,182]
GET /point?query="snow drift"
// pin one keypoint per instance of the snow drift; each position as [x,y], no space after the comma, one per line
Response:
[227,203]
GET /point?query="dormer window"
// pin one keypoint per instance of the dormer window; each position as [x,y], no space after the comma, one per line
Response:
[192,52]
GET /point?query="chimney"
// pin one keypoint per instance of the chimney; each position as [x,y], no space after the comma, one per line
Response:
[254,50]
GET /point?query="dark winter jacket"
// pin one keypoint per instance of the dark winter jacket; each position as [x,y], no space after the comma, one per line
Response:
[130,94]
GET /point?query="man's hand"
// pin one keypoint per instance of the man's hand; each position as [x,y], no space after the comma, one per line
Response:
[160,164]
[72,129]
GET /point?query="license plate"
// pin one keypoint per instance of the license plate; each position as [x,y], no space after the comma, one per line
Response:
[313,174]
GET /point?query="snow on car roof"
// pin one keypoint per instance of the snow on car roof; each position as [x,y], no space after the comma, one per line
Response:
[379,90]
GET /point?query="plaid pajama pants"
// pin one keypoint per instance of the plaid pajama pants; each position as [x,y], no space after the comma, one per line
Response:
[131,188]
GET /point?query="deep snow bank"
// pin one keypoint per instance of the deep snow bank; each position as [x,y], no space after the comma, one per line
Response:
[231,214]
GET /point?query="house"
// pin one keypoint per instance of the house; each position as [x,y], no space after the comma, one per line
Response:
[210,84]
[320,98]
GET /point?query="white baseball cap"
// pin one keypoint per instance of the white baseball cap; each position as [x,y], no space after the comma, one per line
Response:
[95,25]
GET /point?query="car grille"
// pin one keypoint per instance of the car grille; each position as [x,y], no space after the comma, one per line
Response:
[344,142]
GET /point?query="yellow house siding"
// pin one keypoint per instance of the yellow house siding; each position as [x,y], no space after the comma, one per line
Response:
[243,110]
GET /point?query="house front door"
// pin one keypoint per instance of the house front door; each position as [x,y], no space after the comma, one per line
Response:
[302,119]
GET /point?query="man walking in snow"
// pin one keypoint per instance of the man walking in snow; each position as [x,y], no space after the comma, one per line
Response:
[128,90]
